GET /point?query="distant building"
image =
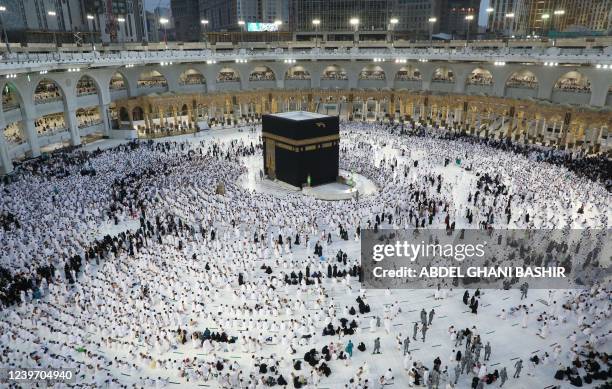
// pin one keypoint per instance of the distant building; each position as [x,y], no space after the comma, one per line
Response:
[186,15]
[590,15]
[43,20]
[453,15]
[509,17]
[34,15]
[109,14]
[374,15]
[545,16]
[165,32]
[223,15]
[152,26]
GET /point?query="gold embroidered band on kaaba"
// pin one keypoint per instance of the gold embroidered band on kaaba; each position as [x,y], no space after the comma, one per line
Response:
[303,144]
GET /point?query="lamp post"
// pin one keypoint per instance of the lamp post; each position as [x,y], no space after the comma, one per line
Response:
[558,13]
[121,20]
[90,18]
[510,17]
[53,14]
[204,24]
[490,11]
[355,23]
[278,24]
[545,18]
[468,19]
[316,23]
[432,21]
[242,25]
[392,23]
[164,22]
[8,47]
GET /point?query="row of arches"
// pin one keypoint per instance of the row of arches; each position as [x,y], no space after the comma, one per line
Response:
[48,90]
[542,122]
[137,113]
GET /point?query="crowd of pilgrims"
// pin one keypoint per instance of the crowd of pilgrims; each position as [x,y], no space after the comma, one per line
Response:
[12,133]
[480,78]
[596,168]
[334,75]
[574,85]
[51,124]
[152,81]
[192,79]
[441,75]
[297,75]
[46,92]
[522,80]
[262,75]
[405,75]
[228,76]
[372,75]
[86,86]
[127,265]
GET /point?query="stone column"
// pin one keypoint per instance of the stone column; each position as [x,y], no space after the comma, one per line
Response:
[32,135]
[175,115]
[147,118]
[131,118]
[190,115]
[73,125]
[161,116]
[106,124]
[6,165]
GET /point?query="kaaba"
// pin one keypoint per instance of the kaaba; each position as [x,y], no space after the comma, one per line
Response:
[301,147]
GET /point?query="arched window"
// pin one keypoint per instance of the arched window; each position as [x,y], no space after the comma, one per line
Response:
[124,116]
[372,72]
[152,79]
[262,73]
[137,114]
[47,91]
[10,97]
[228,75]
[192,77]
[297,73]
[574,82]
[408,73]
[334,72]
[14,134]
[117,82]
[52,124]
[480,76]
[87,117]
[443,74]
[522,79]
[86,86]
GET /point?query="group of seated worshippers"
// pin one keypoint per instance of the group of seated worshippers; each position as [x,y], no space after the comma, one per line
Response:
[274,377]
[334,272]
[487,379]
[473,302]
[8,220]
[313,359]
[296,279]
[345,328]
[363,306]
[221,337]
[597,366]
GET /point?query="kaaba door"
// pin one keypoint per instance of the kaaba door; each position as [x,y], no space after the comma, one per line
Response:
[271,158]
